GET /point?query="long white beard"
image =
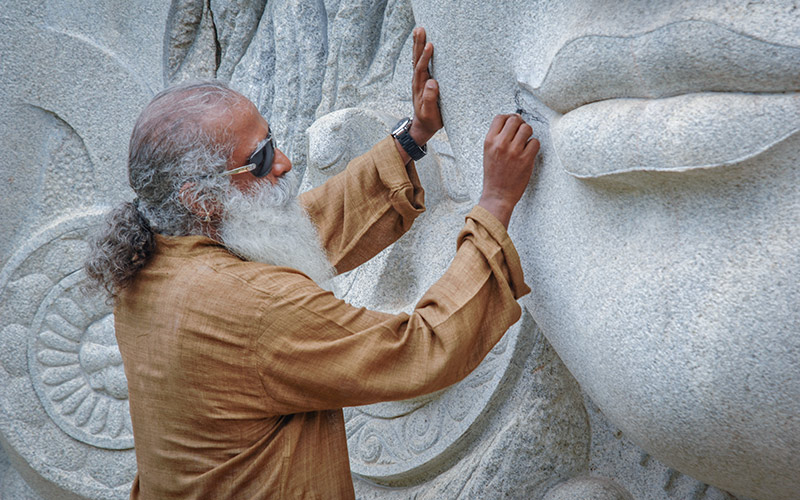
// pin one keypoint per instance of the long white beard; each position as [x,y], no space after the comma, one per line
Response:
[268,225]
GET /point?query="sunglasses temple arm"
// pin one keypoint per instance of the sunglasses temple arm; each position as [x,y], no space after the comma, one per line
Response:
[247,168]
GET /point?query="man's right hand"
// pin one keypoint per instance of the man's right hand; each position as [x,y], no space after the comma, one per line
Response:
[508,155]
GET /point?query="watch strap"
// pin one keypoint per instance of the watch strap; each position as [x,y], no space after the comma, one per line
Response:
[407,142]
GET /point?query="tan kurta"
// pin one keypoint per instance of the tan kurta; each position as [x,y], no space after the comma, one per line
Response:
[237,371]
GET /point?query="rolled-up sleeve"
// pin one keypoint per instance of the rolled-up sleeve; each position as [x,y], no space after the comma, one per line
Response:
[366,207]
[317,352]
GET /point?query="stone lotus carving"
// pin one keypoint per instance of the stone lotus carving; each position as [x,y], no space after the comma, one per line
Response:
[62,387]
[76,367]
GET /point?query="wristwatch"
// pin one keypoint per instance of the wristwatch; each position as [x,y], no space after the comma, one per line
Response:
[400,133]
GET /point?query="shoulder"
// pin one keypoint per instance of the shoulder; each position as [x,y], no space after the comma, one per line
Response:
[258,277]
[196,260]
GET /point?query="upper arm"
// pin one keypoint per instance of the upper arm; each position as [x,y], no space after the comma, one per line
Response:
[317,352]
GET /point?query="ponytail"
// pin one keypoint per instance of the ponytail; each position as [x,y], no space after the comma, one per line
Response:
[120,250]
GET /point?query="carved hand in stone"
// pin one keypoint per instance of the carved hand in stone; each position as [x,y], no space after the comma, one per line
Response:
[425,91]
[508,155]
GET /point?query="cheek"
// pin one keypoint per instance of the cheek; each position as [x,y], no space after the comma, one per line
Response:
[246,182]
[241,182]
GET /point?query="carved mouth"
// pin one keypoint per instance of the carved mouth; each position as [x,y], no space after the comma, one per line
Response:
[687,95]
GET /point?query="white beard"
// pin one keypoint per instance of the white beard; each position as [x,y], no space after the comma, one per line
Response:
[268,225]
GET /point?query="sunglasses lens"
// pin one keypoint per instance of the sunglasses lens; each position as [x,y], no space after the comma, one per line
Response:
[263,159]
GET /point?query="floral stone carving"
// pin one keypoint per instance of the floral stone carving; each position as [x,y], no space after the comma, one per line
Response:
[63,391]
[76,367]
[398,440]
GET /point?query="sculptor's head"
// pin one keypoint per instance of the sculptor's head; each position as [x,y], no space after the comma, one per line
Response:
[184,149]
[183,140]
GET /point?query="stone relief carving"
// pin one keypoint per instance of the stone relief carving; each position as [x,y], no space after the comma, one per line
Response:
[207,38]
[63,391]
[76,367]
[366,40]
[71,88]
[668,288]
[191,42]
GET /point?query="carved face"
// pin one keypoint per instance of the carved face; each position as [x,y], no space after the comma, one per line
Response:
[661,232]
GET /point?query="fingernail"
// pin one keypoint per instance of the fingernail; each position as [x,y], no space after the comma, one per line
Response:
[431,84]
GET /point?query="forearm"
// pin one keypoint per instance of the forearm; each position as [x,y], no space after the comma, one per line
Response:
[323,353]
[365,208]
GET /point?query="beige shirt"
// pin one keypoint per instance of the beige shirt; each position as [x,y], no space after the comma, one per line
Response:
[237,371]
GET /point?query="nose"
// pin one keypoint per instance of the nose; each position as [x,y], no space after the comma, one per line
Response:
[280,165]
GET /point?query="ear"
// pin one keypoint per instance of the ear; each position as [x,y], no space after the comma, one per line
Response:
[204,211]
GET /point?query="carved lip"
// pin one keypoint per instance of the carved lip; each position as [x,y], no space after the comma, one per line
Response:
[677,58]
[687,95]
[674,134]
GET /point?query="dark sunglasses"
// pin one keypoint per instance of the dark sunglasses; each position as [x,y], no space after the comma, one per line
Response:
[260,162]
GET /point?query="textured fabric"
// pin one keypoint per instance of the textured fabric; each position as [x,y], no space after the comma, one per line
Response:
[237,371]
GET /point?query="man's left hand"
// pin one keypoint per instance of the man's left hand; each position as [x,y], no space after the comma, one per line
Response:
[425,92]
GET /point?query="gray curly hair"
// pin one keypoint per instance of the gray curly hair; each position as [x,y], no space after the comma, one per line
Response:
[176,144]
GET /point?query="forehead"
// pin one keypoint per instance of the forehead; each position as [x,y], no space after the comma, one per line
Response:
[246,130]
[240,121]
[250,116]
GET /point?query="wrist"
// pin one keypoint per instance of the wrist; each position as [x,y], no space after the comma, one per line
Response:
[407,142]
[419,134]
[498,207]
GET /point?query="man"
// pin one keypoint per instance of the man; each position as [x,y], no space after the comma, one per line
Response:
[238,361]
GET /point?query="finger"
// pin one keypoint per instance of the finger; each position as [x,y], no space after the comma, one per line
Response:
[421,68]
[531,148]
[419,43]
[497,125]
[421,74]
[510,128]
[524,132]
[430,97]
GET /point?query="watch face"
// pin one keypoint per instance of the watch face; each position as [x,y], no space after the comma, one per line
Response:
[402,126]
